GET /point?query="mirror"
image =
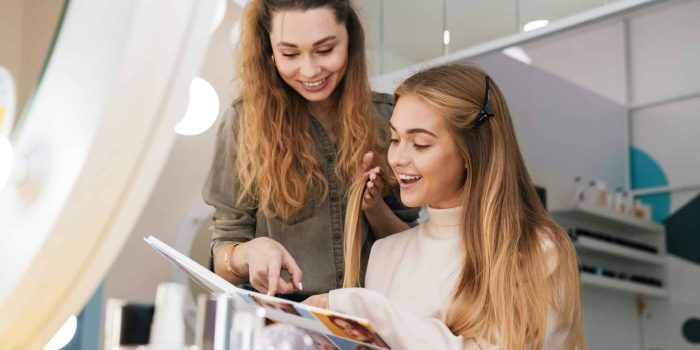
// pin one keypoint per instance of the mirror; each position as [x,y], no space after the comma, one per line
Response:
[28,31]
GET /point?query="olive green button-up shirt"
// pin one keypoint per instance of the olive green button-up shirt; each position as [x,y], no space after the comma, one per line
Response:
[315,237]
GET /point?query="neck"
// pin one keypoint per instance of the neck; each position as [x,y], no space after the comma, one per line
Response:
[323,110]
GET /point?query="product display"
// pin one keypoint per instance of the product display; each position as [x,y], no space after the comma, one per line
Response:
[621,202]
[576,231]
[600,271]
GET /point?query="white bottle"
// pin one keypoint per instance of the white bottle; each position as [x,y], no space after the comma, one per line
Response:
[619,201]
[592,192]
[168,326]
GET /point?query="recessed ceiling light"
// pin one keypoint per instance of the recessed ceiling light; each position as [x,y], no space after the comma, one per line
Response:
[517,53]
[532,25]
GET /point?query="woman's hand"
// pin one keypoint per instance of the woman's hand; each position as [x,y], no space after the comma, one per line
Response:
[265,259]
[320,300]
[372,198]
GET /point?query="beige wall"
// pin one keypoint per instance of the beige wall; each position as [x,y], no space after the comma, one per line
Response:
[11,13]
[27,28]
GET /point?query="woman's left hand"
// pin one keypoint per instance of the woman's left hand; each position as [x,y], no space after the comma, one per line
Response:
[372,198]
[319,300]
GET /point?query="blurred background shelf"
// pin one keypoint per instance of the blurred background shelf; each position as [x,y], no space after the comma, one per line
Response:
[625,286]
[595,245]
[616,221]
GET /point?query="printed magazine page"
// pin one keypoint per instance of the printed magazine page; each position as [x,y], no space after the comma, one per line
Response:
[329,330]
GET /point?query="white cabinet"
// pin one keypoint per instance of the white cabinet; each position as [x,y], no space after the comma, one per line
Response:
[615,263]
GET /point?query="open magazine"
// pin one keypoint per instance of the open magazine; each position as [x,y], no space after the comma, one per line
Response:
[329,330]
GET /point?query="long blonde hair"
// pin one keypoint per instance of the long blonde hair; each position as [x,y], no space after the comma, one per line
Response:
[274,125]
[506,284]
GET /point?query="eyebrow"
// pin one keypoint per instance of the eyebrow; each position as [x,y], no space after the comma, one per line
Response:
[415,131]
[319,42]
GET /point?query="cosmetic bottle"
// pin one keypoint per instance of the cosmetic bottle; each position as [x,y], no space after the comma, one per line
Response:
[579,191]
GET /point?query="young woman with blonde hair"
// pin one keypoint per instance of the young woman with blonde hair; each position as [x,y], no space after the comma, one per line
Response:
[305,126]
[489,268]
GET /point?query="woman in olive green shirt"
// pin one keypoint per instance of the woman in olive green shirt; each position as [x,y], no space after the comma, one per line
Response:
[305,127]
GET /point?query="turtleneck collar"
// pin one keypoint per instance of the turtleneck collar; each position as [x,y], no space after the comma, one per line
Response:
[444,217]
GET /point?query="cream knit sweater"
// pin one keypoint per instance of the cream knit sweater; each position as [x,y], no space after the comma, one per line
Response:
[409,280]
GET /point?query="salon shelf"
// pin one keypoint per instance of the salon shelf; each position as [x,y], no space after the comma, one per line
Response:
[588,279]
[608,218]
[592,244]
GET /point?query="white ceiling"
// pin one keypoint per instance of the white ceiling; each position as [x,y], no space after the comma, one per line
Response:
[413,29]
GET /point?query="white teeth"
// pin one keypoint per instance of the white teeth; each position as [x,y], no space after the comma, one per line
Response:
[314,84]
[409,177]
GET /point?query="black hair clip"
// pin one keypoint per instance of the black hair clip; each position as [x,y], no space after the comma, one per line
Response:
[485,111]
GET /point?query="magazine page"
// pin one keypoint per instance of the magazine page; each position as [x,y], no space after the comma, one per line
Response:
[329,330]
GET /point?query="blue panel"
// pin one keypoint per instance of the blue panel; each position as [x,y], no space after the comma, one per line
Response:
[87,336]
[645,172]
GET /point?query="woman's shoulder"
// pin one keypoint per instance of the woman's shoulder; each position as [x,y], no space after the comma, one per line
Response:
[382,98]
[397,240]
[383,104]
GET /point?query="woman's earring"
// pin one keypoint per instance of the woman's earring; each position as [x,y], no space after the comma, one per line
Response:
[273,58]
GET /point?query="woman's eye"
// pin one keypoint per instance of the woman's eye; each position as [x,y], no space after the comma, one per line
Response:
[420,147]
[326,51]
[393,140]
[290,54]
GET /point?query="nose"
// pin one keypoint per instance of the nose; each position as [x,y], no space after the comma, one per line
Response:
[309,67]
[398,155]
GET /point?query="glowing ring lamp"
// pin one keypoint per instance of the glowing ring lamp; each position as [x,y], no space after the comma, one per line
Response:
[94,141]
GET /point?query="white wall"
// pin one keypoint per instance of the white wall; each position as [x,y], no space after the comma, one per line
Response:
[561,127]
[663,96]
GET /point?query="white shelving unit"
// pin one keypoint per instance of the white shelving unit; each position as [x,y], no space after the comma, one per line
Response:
[615,257]
[595,245]
[613,220]
[631,287]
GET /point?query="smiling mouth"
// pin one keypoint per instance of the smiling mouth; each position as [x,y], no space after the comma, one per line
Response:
[409,179]
[314,84]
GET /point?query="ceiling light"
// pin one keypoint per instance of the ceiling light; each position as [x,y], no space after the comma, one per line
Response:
[202,110]
[532,25]
[517,53]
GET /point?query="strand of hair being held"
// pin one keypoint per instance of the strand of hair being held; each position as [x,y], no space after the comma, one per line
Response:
[353,236]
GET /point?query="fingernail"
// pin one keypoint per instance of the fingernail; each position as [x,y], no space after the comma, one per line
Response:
[269,294]
[300,286]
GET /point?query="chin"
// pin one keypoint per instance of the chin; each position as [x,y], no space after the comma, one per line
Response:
[411,202]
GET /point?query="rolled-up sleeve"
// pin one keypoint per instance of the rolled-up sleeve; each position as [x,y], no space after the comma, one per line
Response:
[234,221]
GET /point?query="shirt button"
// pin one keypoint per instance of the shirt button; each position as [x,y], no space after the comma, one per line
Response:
[334,198]
[329,158]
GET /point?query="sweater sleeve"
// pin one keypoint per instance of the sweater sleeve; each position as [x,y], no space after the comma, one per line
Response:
[400,328]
